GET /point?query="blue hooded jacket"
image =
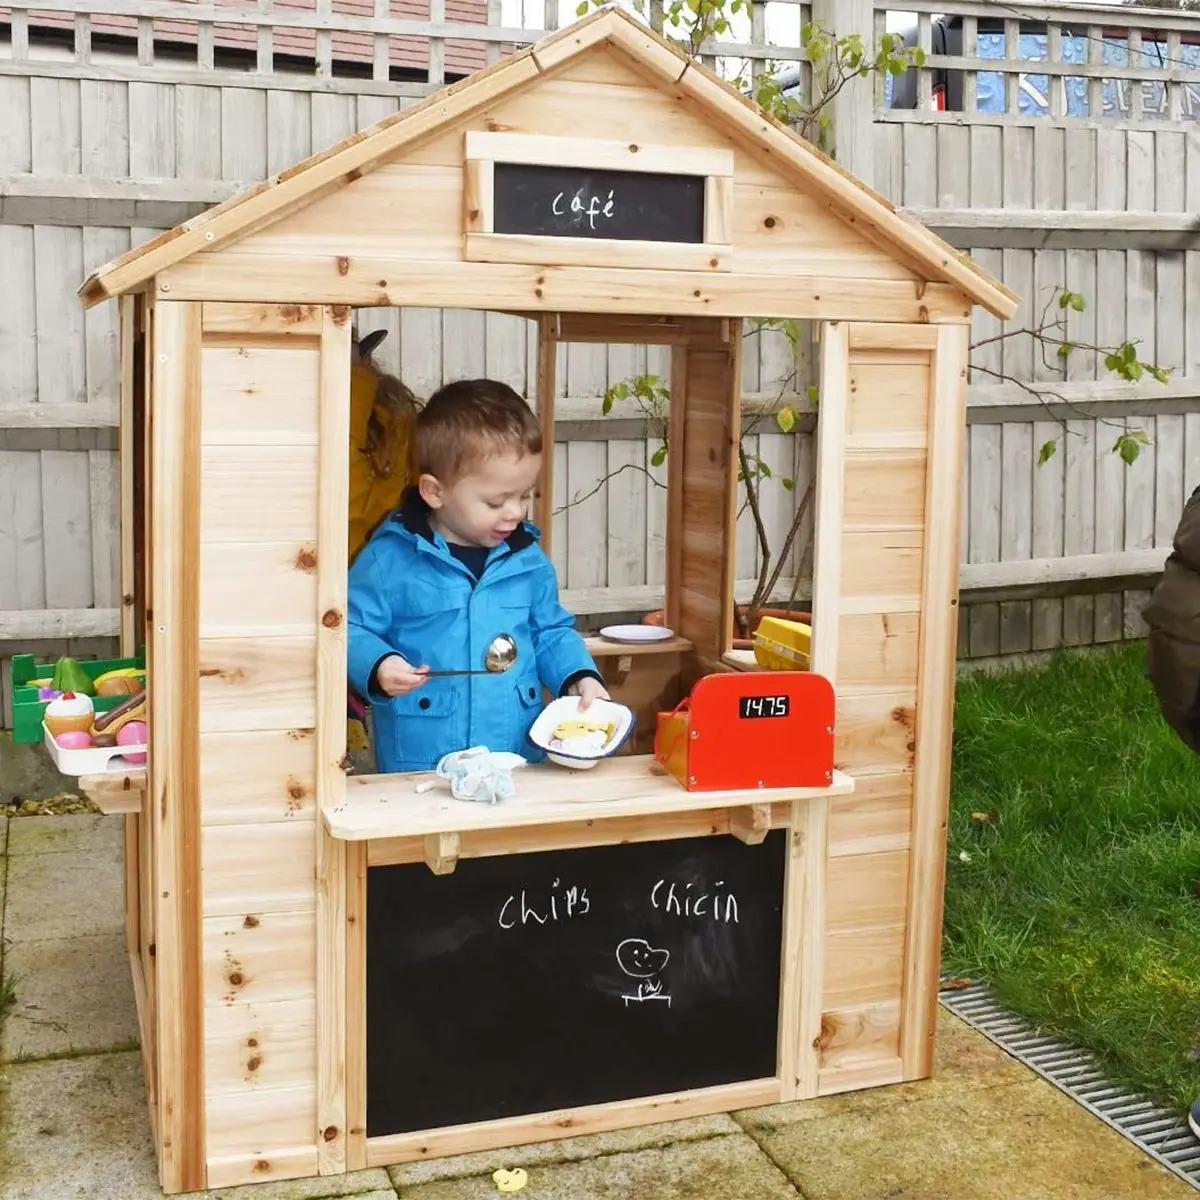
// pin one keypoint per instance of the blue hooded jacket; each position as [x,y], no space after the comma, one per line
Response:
[409,595]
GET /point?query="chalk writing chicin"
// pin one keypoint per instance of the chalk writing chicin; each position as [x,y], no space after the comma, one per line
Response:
[639,960]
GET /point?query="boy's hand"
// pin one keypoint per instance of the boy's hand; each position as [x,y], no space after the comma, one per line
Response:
[588,689]
[396,676]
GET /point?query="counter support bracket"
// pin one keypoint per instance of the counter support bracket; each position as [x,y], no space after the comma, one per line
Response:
[441,852]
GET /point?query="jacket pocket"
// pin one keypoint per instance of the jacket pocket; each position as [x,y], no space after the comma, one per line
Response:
[524,712]
[425,726]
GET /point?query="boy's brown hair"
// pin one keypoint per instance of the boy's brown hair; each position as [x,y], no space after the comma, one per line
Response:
[470,420]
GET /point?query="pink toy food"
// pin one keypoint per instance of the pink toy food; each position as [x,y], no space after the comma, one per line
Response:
[133,733]
[73,739]
[71,711]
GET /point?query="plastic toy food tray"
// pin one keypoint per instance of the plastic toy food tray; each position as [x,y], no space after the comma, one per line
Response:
[28,710]
[95,760]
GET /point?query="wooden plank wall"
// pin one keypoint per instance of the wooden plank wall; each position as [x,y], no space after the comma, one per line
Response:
[258,701]
[876,674]
[1084,500]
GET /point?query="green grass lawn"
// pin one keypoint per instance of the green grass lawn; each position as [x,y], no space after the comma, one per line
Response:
[1073,882]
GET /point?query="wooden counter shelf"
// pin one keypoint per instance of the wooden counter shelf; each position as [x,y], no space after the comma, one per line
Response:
[602,647]
[387,806]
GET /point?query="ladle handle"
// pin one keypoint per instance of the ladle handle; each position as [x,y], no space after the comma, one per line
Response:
[443,674]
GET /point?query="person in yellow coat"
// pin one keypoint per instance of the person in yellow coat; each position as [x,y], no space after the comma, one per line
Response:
[382,465]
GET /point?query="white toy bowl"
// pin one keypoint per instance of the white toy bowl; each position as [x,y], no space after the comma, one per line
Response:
[564,709]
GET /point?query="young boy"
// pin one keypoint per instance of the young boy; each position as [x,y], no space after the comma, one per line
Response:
[1173,646]
[455,566]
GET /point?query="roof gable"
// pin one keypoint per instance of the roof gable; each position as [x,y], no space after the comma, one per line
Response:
[651,57]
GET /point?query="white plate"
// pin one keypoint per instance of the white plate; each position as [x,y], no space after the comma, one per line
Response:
[633,634]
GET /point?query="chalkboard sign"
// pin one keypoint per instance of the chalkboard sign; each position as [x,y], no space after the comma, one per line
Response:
[580,203]
[530,982]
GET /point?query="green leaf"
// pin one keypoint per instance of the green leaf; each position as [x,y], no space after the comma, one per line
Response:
[1161,374]
[896,67]
[1065,349]
[788,483]
[785,418]
[607,403]
[1128,449]
[814,394]
[1047,452]
[918,57]
[886,43]
[581,10]
[1064,299]
[1078,303]
[620,391]
[659,456]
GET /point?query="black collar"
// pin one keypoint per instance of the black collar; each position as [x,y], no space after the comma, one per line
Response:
[413,514]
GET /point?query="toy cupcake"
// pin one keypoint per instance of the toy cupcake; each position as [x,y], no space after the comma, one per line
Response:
[71,710]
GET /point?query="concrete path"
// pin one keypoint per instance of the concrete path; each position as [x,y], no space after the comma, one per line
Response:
[74,1118]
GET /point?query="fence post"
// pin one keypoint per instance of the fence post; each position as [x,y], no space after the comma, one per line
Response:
[853,109]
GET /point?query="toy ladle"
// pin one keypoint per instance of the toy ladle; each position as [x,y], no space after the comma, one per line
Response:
[499,656]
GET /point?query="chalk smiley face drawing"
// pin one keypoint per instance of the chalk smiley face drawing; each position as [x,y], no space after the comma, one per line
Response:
[641,961]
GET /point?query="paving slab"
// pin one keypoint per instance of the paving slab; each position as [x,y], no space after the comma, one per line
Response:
[66,834]
[76,1127]
[647,1137]
[731,1167]
[63,895]
[72,994]
[984,1128]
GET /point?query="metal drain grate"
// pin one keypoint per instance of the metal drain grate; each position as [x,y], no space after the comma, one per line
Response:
[1162,1135]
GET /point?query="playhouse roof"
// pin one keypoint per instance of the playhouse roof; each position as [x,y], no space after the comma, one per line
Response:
[875,217]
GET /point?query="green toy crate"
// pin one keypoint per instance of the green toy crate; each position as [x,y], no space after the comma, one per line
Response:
[28,709]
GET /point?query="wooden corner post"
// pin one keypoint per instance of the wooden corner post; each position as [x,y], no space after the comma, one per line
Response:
[546,384]
[702,488]
[334,498]
[174,790]
[935,697]
[803,985]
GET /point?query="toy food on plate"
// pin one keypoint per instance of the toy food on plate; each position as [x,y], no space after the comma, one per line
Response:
[69,711]
[133,733]
[133,709]
[583,738]
[73,739]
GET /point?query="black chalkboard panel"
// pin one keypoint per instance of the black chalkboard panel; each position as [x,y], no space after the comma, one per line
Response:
[531,982]
[580,203]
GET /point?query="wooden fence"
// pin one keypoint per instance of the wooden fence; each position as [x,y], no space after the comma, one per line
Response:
[124,117]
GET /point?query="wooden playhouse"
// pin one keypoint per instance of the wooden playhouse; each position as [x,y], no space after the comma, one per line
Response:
[266,888]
